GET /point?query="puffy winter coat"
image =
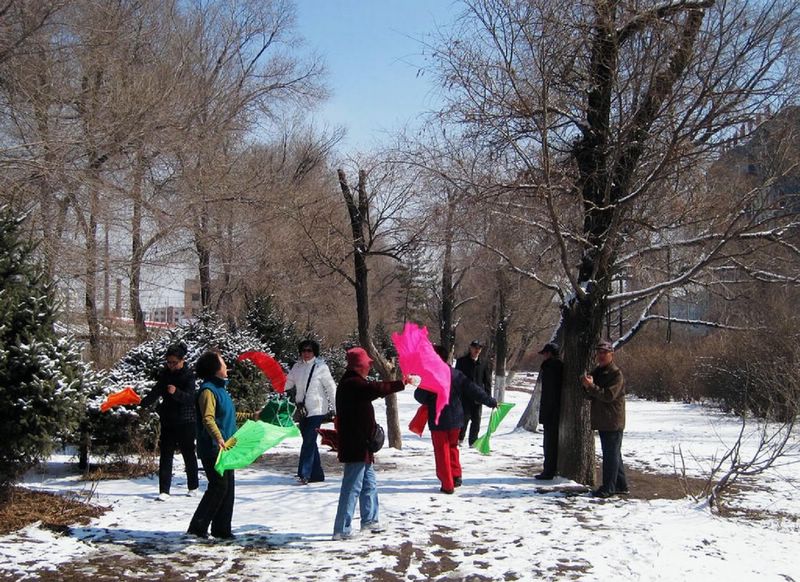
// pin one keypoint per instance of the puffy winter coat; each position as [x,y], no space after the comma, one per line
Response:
[321,394]
[355,416]
[452,415]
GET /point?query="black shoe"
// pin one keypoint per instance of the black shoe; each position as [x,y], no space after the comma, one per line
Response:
[447,491]
[457,481]
[623,492]
[601,493]
[544,477]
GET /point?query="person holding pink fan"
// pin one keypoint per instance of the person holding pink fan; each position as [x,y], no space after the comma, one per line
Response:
[445,431]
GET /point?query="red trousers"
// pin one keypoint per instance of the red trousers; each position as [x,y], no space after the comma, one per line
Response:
[448,462]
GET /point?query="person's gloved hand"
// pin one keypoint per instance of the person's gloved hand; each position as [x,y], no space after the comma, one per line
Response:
[413,379]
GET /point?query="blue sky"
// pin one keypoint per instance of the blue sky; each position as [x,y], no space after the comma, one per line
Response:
[373,53]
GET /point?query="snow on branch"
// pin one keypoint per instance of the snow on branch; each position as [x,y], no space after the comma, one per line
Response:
[658,12]
[529,274]
[701,322]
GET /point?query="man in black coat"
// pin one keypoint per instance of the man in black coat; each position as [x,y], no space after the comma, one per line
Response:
[175,388]
[550,374]
[478,371]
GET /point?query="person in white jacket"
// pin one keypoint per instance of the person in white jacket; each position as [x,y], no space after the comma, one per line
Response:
[316,391]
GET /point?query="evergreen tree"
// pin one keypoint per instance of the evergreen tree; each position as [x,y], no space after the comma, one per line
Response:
[416,281]
[269,324]
[42,377]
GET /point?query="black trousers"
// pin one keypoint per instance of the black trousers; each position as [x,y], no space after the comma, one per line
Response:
[216,505]
[180,436]
[550,444]
[472,417]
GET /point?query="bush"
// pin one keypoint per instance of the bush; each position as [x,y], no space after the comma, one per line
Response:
[744,372]
[655,370]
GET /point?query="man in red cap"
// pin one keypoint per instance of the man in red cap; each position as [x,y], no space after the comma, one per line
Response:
[355,424]
[606,387]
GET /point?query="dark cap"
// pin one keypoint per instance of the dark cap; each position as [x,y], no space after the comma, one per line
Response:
[549,348]
[476,343]
[604,346]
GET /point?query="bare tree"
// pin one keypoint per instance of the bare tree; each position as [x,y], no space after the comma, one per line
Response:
[377,209]
[243,69]
[609,114]
[763,441]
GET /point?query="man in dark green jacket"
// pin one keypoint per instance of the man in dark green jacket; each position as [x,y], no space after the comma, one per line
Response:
[606,388]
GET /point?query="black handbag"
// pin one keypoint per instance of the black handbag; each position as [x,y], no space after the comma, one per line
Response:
[300,412]
[375,442]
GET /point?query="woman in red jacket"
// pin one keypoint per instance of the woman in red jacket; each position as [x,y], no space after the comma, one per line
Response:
[355,424]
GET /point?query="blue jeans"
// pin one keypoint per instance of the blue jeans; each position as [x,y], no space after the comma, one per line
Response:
[613,472]
[358,482]
[309,467]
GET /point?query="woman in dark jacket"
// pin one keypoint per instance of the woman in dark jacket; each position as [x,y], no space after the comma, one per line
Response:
[175,387]
[445,433]
[355,423]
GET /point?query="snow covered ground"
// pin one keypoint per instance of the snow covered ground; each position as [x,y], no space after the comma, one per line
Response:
[501,525]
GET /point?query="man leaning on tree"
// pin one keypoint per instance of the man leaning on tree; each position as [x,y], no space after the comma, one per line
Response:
[606,388]
[550,374]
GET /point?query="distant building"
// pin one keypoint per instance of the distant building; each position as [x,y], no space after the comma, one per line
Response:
[173,314]
[168,314]
[767,162]
[191,297]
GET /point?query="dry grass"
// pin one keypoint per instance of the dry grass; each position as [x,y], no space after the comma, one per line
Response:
[20,507]
[143,467]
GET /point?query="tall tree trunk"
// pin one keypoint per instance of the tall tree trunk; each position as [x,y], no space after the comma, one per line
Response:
[530,416]
[137,256]
[106,273]
[90,276]
[203,256]
[446,333]
[358,211]
[581,326]
[501,338]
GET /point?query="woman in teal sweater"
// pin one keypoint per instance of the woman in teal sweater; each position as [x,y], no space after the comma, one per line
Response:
[216,424]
